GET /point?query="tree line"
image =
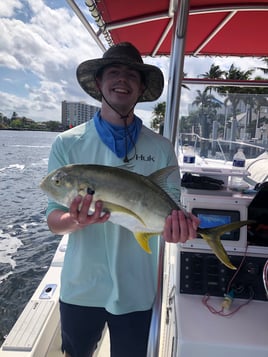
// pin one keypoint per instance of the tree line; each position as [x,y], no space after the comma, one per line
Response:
[17,122]
[212,98]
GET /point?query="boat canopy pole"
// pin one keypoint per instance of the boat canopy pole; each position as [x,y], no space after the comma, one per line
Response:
[176,71]
[170,131]
[84,21]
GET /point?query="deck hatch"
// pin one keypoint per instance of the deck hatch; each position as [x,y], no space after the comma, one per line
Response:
[25,332]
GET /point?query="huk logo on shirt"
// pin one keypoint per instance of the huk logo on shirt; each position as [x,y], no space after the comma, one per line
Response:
[142,157]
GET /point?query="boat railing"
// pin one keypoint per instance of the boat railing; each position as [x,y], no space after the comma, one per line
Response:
[219,148]
[154,335]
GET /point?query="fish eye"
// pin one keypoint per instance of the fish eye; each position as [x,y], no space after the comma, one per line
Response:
[57,178]
[56,181]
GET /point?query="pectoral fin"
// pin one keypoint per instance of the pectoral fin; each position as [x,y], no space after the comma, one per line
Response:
[111,207]
[143,240]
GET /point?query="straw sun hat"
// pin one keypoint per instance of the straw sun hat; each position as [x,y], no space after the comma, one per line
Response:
[123,53]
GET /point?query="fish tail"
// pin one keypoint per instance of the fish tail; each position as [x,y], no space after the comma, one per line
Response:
[212,237]
[143,240]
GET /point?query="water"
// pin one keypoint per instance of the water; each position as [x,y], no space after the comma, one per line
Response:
[26,245]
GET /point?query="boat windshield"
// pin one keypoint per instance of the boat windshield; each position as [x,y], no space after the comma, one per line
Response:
[219,120]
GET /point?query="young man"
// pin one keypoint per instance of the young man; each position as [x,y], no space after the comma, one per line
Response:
[107,277]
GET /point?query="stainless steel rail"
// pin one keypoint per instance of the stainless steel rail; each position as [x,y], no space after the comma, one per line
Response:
[154,335]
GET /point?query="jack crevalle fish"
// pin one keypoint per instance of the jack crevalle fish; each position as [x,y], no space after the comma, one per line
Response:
[139,203]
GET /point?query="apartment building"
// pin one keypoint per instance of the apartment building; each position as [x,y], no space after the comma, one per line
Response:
[75,113]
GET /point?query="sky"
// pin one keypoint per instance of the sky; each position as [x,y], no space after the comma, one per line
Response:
[41,44]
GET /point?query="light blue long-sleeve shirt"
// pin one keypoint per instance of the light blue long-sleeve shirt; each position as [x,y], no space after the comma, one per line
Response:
[104,266]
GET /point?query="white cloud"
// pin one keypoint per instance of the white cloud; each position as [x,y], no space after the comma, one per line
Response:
[14,103]
[8,8]
[50,46]
[7,60]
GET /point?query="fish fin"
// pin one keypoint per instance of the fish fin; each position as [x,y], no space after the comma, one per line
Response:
[143,240]
[111,207]
[160,178]
[218,249]
[212,237]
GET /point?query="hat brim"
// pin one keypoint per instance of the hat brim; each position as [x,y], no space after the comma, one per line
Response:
[87,70]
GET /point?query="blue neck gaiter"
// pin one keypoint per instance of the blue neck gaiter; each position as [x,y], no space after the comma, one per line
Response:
[119,139]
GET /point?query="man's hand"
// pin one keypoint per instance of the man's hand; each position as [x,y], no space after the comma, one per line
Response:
[79,211]
[180,227]
[78,217]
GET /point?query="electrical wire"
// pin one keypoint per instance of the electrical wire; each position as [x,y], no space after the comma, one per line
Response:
[222,311]
[229,296]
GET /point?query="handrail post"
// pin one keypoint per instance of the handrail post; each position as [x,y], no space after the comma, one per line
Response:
[154,334]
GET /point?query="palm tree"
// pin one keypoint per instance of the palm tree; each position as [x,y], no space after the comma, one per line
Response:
[158,116]
[207,104]
[234,97]
[214,73]
[260,100]
[264,69]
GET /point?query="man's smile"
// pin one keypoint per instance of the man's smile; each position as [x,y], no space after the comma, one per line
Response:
[121,90]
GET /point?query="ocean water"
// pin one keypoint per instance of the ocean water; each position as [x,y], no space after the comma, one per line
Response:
[26,245]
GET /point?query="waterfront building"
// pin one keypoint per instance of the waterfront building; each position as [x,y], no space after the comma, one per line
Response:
[75,113]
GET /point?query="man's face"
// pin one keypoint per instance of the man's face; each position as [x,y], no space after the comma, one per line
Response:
[121,85]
